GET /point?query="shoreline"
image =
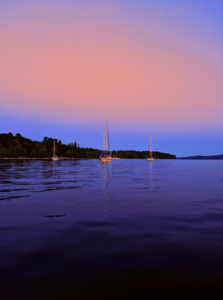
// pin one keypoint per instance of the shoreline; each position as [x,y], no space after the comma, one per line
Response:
[43,158]
[71,158]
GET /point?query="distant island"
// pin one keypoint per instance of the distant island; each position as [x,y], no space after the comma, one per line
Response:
[20,147]
[216,157]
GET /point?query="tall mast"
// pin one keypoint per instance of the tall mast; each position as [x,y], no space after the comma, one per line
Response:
[104,141]
[54,149]
[107,137]
[150,146]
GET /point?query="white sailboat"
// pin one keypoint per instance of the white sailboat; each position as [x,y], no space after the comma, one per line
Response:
[55,157]
[105,155]
[115,157]
[150,158]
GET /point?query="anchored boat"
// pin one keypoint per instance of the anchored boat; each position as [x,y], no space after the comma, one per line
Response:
[105,155]
[115,157]
[150,158]
[55,157]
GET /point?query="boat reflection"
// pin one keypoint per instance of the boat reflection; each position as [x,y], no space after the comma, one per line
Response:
[105,182]
[151,177]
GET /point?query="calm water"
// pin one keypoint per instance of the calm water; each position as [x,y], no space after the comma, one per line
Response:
[77,222]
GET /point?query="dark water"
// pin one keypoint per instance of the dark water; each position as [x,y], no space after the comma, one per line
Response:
[78,229]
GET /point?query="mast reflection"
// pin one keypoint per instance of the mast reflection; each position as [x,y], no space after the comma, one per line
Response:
[151,176]
[105,181]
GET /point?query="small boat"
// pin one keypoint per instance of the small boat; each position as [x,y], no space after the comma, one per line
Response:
[55,157]
[105,155]
[150,158]
[115,157]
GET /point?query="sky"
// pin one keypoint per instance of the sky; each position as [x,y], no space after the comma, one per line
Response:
[152,66]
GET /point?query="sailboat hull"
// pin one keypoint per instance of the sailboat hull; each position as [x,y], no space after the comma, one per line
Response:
[104,159]
[150,159]
[55,158]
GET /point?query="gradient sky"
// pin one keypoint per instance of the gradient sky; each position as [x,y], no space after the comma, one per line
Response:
[148,66]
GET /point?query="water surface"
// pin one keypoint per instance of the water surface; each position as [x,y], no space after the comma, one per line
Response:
[66,224]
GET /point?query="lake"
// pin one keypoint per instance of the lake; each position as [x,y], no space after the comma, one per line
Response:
[83,229]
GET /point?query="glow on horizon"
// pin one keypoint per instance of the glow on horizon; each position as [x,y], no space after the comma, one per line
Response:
[87,61]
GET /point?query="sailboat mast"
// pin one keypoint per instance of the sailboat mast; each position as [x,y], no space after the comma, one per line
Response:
[150,146]
[104,141]
[54,149]
[107,137]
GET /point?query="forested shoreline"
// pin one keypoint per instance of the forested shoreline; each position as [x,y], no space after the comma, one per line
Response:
[17,146]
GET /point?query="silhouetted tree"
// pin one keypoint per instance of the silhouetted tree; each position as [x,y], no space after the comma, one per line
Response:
[45,139]
[14,146]
[18,135]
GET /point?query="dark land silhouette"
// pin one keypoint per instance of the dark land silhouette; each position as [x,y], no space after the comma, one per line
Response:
[17,146]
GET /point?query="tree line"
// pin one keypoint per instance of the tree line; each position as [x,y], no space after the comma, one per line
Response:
[144,154]
[18,146]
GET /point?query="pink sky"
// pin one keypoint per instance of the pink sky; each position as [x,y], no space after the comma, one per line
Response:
[84,62]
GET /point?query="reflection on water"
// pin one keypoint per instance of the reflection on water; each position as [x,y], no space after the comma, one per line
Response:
[83,215]
[106,210]
[151,175]
[105,176]
[105,181]
[36,176]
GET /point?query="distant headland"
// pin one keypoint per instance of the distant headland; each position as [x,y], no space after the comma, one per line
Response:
[19,147]
[210,157]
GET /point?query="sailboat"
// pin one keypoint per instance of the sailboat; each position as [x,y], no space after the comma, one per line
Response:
[55,157]
[115,157]
[150,158]
[105,155]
